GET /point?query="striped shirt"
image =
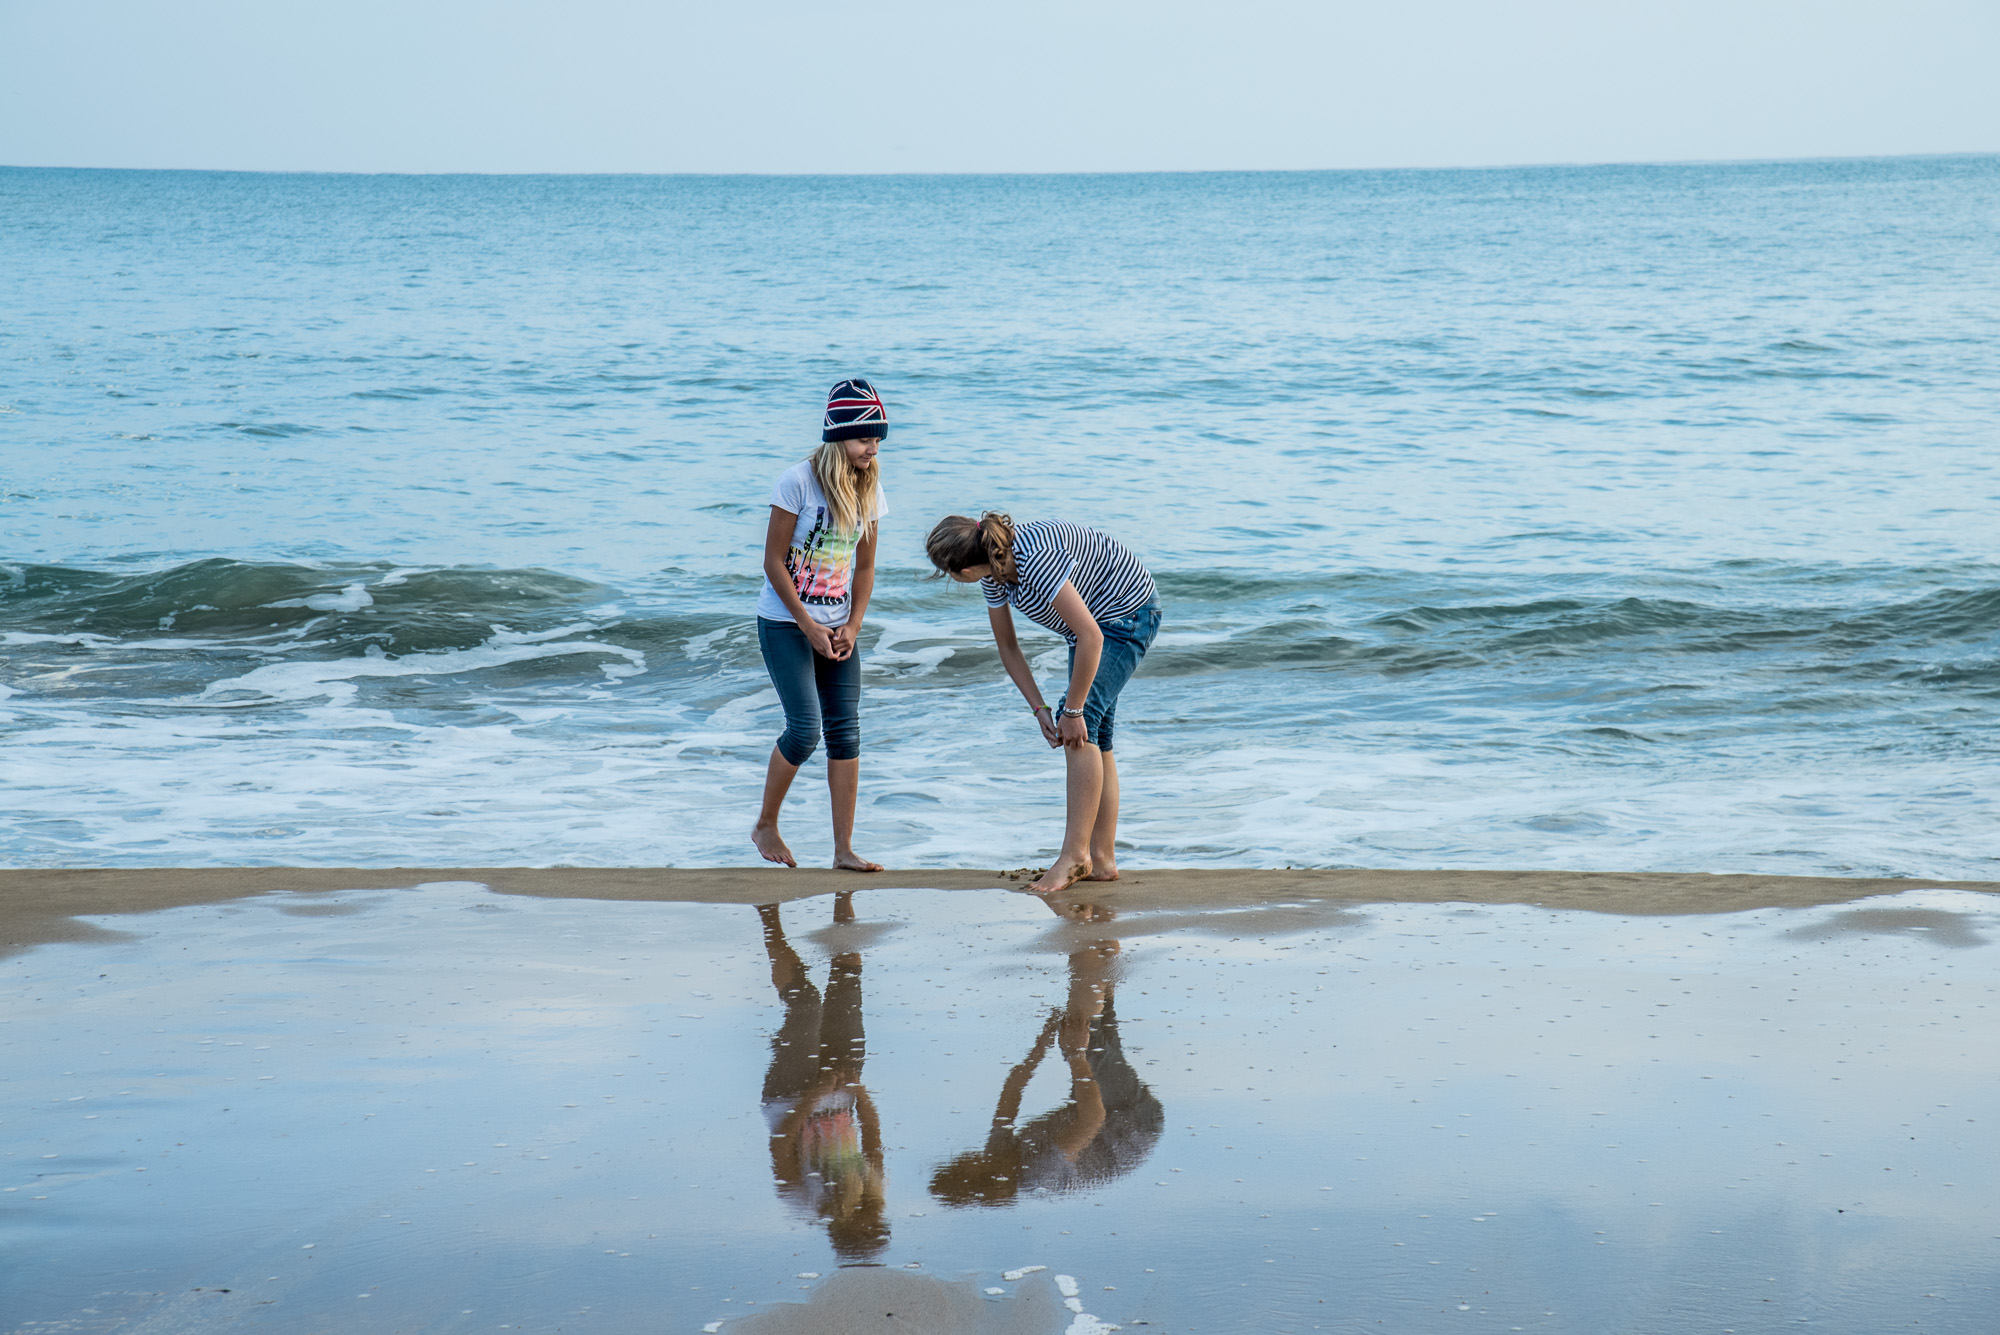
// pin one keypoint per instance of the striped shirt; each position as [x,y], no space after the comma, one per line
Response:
[1049,553]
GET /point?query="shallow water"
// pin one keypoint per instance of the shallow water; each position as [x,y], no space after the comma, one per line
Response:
[446,1109]
[1609,518]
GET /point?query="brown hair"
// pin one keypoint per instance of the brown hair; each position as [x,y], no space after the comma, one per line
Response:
[959,543]
[850,492]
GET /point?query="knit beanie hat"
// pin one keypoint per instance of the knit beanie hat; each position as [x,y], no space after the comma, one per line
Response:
[854,409]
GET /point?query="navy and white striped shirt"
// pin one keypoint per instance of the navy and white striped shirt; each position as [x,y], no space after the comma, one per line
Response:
[1049,553]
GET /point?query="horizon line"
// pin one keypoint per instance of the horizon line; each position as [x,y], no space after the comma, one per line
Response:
[1571,165]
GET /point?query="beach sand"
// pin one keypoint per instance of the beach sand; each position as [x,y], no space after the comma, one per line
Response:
[41,905]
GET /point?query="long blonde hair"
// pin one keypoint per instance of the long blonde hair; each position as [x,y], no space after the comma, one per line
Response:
[851,493]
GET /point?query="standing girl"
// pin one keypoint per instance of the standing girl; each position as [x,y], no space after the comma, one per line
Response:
[1087,587]
[819,568]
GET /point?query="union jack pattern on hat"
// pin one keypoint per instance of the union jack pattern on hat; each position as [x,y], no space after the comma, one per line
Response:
[854,409]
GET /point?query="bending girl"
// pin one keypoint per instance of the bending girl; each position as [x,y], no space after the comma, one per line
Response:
[819,569]
[1090,589]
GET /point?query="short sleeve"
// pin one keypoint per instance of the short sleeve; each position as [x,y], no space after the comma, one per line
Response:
[790,493]
[995,595]
[881,502]
[1043,569]
[1069,569]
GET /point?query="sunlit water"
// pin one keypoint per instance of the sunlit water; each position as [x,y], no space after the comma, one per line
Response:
[1633,518]
[444,1109]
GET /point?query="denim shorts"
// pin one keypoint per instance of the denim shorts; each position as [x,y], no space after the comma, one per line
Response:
[1125,643]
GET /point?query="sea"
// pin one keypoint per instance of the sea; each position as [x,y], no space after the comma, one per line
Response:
[1631,518]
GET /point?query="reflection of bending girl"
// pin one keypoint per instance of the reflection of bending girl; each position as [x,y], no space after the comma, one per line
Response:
[1107,1127]
[826,1141]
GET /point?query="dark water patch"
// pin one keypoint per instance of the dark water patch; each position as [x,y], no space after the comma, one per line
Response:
[1982,678]
[343,607]
[1941,617]
[1568,823]
[1618,734]
[1941,927]
[1421,619]
[273,430]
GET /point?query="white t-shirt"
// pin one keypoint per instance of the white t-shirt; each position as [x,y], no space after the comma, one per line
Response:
[821,560]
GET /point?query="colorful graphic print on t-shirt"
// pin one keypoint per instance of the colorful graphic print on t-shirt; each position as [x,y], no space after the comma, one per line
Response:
[820,559]
[822,565]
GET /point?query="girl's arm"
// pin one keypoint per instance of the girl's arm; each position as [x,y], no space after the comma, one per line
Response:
[860,588]
[1089,649]
[777,542]
[1016,663]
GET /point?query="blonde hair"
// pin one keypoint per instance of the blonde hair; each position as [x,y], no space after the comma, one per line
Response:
[960,543]
[851,492]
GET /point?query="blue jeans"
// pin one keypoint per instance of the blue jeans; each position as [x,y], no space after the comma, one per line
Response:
[813,689]
[1125,643]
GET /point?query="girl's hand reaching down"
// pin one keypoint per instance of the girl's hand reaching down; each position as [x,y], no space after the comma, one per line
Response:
[1045,717]
[1071,732]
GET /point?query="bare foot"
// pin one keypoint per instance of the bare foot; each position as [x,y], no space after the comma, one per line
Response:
[1106,870]
[854,862]
[1053,880]
[770,846]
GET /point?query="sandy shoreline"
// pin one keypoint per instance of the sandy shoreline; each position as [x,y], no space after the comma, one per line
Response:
[43,904]
[1306,1099]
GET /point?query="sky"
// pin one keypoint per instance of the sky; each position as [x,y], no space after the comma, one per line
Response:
[941,86]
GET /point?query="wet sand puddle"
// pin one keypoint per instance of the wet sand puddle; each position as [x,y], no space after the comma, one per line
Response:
[445,1109]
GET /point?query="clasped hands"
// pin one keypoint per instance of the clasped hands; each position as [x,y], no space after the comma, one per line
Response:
[835,642]
[1065,731]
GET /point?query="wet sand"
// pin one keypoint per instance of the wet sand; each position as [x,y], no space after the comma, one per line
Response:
[42,905]
[281,1100]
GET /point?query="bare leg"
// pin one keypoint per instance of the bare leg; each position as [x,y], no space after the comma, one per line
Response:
[843,781]
[777,782]
[1086,785]
[1104,836]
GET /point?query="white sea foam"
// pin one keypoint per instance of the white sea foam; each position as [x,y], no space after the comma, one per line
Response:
[289,762]
[335,678]
[350,599]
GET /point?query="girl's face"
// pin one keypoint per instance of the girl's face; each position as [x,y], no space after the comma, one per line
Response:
[861,451]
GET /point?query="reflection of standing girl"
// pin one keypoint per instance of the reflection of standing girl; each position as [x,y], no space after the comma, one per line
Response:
[826,1140]
[819,569]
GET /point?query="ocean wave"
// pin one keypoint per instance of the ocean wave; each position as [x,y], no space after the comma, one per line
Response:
[345,607]
[1363,623]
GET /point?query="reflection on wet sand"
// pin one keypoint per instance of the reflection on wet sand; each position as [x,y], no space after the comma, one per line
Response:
[1103,1130]
[826,1138]
[1551,1119]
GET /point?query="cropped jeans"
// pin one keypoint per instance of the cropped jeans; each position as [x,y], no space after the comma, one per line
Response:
[816,691]
[1125,643]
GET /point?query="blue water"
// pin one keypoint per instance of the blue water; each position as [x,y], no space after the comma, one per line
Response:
[1622,518]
